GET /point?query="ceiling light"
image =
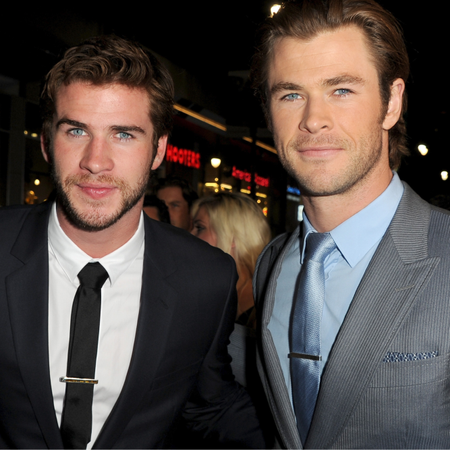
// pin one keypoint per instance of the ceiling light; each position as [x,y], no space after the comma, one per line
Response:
[423,149]
[274,9]
[215,162]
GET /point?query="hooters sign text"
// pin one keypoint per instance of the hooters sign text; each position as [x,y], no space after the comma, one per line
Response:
[183,156]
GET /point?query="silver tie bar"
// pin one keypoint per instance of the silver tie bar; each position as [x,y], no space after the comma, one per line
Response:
[305,356]
[78,380]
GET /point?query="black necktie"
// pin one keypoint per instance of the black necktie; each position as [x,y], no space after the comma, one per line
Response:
[76,423]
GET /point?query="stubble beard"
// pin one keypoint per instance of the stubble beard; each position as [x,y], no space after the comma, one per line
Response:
[91,218]
[317,182]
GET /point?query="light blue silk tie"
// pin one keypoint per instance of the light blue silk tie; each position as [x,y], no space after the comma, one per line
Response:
[305,355]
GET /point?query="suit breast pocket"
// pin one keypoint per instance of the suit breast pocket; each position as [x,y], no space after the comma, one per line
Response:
[406,405]
[403,372]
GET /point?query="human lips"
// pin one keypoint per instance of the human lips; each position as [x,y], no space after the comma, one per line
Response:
[95,188]
[96,191]
[319,152]
[319,147]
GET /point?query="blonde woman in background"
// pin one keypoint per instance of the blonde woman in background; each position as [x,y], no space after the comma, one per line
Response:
[234,223]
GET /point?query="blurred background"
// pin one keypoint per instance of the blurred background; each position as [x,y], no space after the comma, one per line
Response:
[207,47]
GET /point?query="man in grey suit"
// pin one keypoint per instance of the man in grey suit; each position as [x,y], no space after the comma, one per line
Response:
[331,76]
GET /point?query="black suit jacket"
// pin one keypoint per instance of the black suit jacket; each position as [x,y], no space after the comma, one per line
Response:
[180,364]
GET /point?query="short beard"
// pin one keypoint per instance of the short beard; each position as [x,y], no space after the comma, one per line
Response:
[93,220]
[361,164]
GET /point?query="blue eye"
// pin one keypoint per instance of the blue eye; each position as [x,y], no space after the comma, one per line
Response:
[77,132]
[123,135]
[342,92]
[291,97]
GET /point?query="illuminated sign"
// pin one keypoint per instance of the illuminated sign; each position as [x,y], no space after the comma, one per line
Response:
[293,190]
[261,181]
[247,176]
[183,156]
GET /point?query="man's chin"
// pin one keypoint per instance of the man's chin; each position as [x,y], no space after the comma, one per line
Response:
[93,215]
[94,220]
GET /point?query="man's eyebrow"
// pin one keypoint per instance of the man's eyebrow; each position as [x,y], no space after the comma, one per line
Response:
[126,129]
[70,122]
[335,81]
[117,128]
[342,79]
[284,86]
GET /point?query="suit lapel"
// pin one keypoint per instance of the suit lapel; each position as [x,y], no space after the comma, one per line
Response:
[394,278]
[269,365]
[27,294]
[158,301]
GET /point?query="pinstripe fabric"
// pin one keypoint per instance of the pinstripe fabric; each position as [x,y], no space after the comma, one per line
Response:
[268,363]
[401,305]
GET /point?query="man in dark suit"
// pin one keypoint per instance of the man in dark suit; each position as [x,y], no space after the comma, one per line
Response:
[167,299]
[354,305]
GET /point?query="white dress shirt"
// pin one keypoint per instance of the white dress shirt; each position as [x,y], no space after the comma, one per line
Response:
[119,314]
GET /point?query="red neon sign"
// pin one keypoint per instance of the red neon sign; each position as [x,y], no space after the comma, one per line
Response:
[247,176]
[241,175]
[183,156]
[261,181]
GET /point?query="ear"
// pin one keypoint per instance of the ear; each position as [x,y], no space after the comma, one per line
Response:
[233,249]
[43,149]
[160,152]
[395,104]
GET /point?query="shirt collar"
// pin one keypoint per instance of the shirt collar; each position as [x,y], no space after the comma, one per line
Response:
[358,234]
[72,259]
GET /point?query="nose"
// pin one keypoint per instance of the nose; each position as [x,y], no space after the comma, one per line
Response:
[316,116]
[97,156]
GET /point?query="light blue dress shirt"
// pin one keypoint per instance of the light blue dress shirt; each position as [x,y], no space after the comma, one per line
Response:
[356,241]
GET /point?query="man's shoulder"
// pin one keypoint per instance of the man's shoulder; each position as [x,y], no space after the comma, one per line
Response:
[415,210]
[439,232]
[440,214]
[12,217]
[19,210]
[15,211]
[420,230]
[180,245]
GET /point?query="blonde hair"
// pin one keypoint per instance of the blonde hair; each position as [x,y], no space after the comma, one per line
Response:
[236,218]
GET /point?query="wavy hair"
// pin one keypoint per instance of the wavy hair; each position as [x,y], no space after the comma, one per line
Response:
[107,60]
[237,219]
[305,19]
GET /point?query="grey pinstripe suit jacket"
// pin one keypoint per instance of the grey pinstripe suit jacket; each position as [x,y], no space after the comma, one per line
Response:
[402,308]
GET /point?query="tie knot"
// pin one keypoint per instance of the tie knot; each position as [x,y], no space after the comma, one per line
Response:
[93,275]
[319,246]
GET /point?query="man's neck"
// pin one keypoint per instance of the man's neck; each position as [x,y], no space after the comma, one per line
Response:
[98,244]
[325,213]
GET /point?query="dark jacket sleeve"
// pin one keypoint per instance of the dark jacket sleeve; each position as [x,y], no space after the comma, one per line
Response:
[220,412]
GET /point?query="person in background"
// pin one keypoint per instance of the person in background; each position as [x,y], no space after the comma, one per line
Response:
[179,196]
[234,223]
[156,209]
